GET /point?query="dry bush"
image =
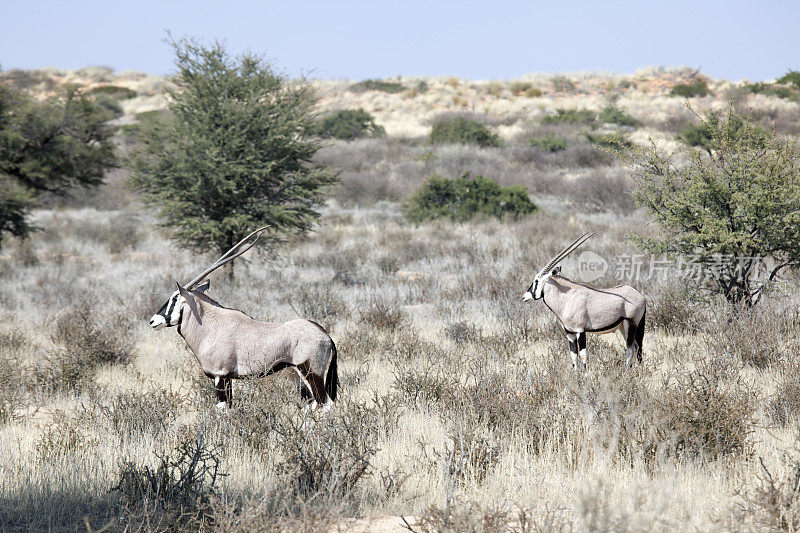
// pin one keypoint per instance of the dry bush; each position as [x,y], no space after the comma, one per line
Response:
[471,453]
[276,512]
[774,502]
[707,413]
[458,516]
[60,438]
[462,332]
[326,457]
[784,406]
[321,303]
[732,335]
[600,191]
[137,413]
[12,386]
[382,315]
[176,494]
[672,309]
[83,345]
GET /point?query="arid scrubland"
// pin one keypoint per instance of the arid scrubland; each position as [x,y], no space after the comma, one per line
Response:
[457,408]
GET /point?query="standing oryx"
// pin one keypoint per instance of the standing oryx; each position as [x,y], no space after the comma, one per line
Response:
[231,345]
[585,309]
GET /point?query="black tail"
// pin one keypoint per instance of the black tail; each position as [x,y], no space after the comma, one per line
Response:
[332,379]
[640,336]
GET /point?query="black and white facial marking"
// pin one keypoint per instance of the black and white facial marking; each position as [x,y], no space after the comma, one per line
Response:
[170,313]
[529,294]
[536,290]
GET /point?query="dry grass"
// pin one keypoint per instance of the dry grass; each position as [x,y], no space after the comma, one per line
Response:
[457,404]
[458,408]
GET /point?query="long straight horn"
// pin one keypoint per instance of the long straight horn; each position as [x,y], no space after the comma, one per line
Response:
[565,252]
[229,256]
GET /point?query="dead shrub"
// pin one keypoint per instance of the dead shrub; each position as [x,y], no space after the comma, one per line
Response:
[707,415]
[327,456]
[732,335]
[672,309]
[471,453]
[774,502]
[12,389]
[458,516]
[784,406]
[83,345]
[382,315]
[321,303]
[600,191]
[61,437]
[462,332]
[176,494]
[137,413]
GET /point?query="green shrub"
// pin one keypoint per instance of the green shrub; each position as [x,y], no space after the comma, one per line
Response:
[462,130]
[114,91]
[377,85]
[109,104]
[549,142]
[700,134]
[698,87]
[771,89]
[613,141]
[466,197]
[570,116]
[349,124]
[533,92]
[614,115]
[151,117]
[790,78]
[519,87]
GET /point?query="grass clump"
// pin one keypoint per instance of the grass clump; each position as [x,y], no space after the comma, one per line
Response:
[614,115]
[698,87]
[176,493]
[349,124]
[466,197]
[377,85]
[549,142]
[571,116]
[462,130]
[114,91]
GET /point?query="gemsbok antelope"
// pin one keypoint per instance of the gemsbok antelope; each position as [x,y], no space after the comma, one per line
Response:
[583,309]
[231,345]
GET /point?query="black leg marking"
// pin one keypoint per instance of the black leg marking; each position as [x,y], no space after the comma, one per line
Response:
[315,382]
[223,390]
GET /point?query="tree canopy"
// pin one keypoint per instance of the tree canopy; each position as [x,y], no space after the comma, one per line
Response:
[733,205]
[49,146]
[235,153]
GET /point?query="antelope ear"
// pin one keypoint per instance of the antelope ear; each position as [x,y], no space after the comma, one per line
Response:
[191,300]
[556,271]
[204,286]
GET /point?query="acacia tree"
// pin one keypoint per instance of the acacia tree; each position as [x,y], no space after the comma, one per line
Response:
[49,146]
[732,205]
[235,153]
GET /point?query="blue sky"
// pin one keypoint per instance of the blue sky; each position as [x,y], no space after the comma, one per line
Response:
[480,40]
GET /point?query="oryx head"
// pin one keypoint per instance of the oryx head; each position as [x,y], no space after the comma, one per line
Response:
[536,289]
[171,312]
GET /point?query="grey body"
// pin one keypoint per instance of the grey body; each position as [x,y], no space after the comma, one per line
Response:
[583,309]
[230,345]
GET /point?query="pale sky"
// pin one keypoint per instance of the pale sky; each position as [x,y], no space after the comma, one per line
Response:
[730,39]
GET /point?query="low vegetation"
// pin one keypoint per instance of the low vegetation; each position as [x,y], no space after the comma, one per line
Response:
[348,124]
[458,409]
[698,87]
[467,197]
[462,130]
